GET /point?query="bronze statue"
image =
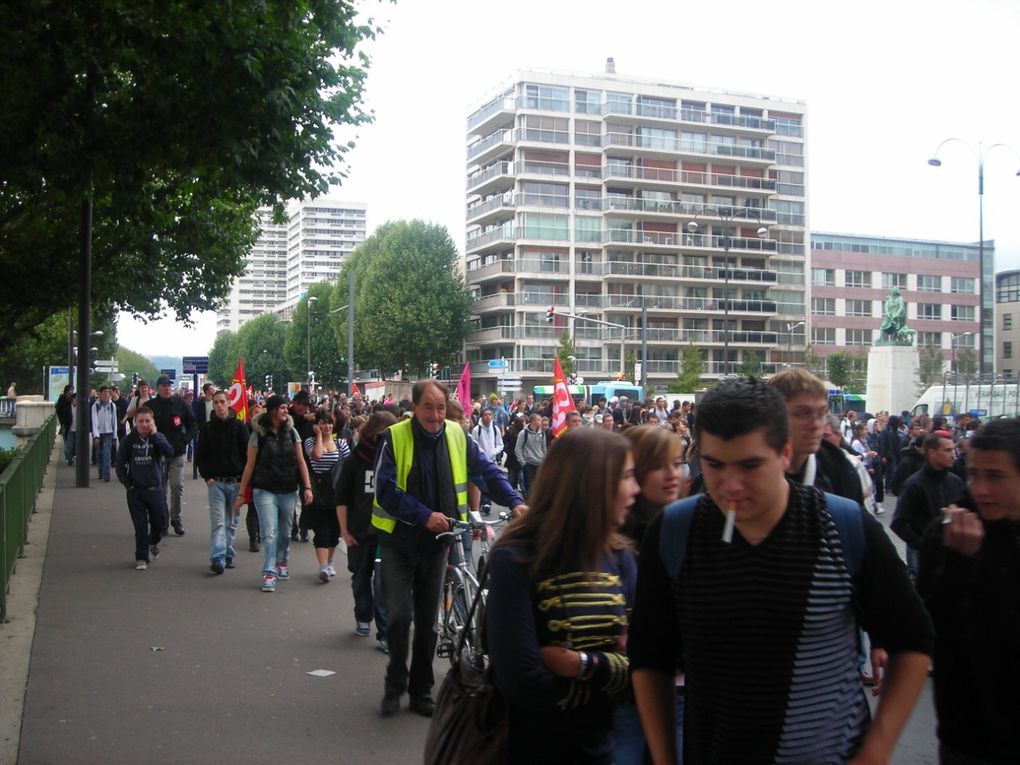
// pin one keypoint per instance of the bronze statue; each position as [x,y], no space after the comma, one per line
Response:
[894,330]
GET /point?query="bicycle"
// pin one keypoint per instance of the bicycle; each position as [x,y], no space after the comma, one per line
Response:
[461,585]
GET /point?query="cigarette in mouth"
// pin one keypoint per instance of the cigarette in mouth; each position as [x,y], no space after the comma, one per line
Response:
[727,534]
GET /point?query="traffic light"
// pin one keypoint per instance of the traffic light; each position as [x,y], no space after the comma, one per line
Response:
[550,312]
[434,369]
[134,379]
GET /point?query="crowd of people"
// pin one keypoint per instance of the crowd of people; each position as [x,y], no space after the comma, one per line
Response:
[706,584]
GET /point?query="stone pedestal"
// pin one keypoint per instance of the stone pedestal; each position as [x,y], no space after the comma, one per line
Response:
[892,378]
[31,413]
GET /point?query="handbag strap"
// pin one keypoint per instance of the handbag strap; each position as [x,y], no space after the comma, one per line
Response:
[471,612]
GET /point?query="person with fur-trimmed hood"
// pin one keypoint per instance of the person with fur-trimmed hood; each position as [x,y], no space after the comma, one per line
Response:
[275,470]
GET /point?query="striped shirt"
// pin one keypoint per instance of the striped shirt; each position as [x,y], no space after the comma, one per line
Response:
[328,459]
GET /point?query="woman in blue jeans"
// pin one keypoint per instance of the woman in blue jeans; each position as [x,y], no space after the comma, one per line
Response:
[275,470]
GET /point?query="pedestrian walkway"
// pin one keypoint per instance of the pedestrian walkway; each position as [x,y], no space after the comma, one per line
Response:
[178,665]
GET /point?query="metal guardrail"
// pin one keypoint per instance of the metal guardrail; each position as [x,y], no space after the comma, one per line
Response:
[8,408]
[19,487]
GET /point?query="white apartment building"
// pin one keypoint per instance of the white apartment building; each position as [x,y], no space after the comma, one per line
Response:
[287,258]
[608,196]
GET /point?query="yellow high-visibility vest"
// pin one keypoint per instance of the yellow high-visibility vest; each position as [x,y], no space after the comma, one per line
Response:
[402,442]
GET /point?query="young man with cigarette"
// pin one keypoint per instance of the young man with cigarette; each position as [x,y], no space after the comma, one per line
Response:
[758,600]
[969,578]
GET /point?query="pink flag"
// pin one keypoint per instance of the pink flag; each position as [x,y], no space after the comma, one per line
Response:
[562,402]
[464,386]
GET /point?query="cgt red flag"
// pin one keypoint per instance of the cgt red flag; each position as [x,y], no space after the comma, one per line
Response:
[237,396]
[562,402]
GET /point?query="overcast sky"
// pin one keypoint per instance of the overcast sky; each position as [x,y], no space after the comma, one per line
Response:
[884,82]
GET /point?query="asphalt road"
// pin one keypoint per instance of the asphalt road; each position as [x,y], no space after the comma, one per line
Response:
[176,665]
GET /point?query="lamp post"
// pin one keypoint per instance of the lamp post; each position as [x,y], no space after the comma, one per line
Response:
[308,314]
[72,350]
[952,342]
[789,340]
[980,153]
[727,214]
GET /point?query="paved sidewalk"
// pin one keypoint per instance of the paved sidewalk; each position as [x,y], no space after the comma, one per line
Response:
[177,665]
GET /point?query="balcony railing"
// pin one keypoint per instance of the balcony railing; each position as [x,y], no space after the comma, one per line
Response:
[498,234]
[742,120]
[544,168]
[478,270]
[503,201]
[482,176]
[687,209]
[676,271]
[499,137]
[616,300]
[627,236]
[502,104]
[719,241]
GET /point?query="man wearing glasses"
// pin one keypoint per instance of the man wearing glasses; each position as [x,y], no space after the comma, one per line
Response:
[815,461]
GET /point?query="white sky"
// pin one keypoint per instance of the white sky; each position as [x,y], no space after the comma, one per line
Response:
[884,82]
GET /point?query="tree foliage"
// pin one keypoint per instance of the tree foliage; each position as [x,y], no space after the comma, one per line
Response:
[566,353]
[847,370]
[966,361]
[411,304]
[260,343]
[751,365]
[131,362]
[692,366]
[181,118]
[221,364]
[931,367]
[325,354]
[814,363]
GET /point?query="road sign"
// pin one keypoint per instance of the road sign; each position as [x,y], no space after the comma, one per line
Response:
[497,364]
[104,363]
[171,373]
[513,379]
[196,365]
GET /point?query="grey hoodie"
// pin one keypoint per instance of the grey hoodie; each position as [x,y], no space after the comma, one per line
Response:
[530,449]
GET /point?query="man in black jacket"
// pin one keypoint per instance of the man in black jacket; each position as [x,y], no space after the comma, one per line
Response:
[925,493]
[910,461]
[175,421]
[969,578]
[220,454]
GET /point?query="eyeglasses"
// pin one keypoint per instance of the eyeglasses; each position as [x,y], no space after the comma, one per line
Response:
[807,415]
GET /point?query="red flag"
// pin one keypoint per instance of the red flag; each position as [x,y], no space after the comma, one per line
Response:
[354,390]
[464,386]
[237,396]
[562,402]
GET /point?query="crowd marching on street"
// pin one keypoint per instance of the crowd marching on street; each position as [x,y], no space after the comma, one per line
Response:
[678,582]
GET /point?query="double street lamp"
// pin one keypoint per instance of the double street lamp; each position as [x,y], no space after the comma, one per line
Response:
[308,313]
[952,342]
[728,214]
[789,340]
[980,153]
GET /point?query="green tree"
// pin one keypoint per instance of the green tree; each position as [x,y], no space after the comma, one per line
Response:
[840,366]
[692,367]
[966,361]
[566,353]
[411,305]
[325,354]
[130,362]
[751,365]
[179,119]
[814,363]
[221,364]
[630,366]
[260,343]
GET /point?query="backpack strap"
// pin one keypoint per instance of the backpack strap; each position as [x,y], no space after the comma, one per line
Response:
[847,515]
[676,527]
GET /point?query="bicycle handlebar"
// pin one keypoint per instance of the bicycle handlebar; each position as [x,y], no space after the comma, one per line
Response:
[458,527]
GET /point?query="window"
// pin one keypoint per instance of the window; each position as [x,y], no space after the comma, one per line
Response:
[618,103]
[929,339]
[929,311]
[545,194]
[894,280]
[1007,350]
[546,227]
[788,153]
[858,337]
[546,129]
[929,283]
[587,199]
[1007,321]
[662,108]
[962,285]
[657,138]
[696,143]
[823,335]
[823,306]
[823,276]
[962,313]
[787,212]
[790,183]
[587,101]
[587,229]
[858,279]
[587,133]
[858,308]
[547,97]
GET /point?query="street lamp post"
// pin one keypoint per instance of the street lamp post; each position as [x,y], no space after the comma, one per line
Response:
[308,314]
[980,153]
[727,214]
[789,340]
[72,349]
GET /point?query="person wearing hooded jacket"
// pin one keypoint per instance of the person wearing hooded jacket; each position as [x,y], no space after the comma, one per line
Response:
[275,469]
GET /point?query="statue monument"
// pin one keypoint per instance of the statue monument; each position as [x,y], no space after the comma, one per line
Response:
[892,360]
[894,330]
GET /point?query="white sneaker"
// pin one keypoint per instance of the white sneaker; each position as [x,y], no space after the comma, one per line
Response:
[330,570]
[141,565]
[323,575]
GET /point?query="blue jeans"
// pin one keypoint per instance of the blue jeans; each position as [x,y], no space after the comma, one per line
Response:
[629,747]
[103,456]
[69,446]
[365,582]
[275,512]
[222,519]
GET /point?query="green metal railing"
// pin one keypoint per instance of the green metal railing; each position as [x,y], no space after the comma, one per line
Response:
[19,487]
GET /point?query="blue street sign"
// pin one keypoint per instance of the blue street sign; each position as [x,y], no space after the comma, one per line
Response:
[196,365]
[171,373]
[497,364]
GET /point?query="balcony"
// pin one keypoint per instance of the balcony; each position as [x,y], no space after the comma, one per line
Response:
[745,122]
[491,146]
[739,243]
[691,304]
[478,273]
[584,300]
[491,208]
[647,238]
[493,114]
[498,237]
[497,177]
[643,268]
[659,175]
[491,302]
[519,332]
[531,167]
[542,266]
[743,152]
[652,144]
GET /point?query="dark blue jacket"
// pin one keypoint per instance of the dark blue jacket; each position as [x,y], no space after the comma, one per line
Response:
[140,461]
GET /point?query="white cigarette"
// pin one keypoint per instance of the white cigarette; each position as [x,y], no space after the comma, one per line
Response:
[727,533]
